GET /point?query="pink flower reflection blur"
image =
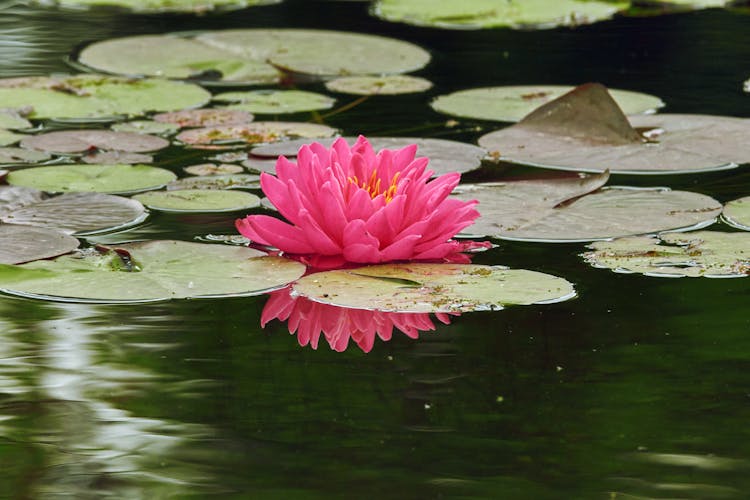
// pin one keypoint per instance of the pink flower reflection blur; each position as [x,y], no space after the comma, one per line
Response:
[308,319]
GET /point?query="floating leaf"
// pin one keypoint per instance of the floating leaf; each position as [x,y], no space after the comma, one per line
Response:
[702,253]
[433,287]
[252,56]
[116,157]
[146,127]
[11,119]
[7,137]
[273,102]
[20,155]
[197,6]
[254,133]
[379,85]
[19,243]
[260,164]
[198,200]
[151,271]
[584,130]
[512,103]
[204,117]
[77,141]
[231,181]
[97,96]
[115,179]
[445,155]
[476,14]
[80,213]
[205,169]
[561,210]
[737,213]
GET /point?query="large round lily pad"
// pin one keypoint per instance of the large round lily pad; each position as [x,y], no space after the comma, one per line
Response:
[254,133]
[204,117]
[196,6]
[737,213]
[445,155]
[252,56]
[379,85]
[702,253]
[80,213]
[198,200]
[271,102]
[220,182]
[565,210]
[512,103]
[433,287]
[115,179]
[78,141]
[151,271]
[476,14]
[19,243]
[585,130]
[97,96]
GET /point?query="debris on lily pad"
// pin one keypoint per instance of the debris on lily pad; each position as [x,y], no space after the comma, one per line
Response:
[116,157]
[585,130]
[198,200]
[150,271]
[702,253]
[113,179]
[445,155]
[512,103]
[254,56]
[78,141]
[73,213]
[379,85]
[227,181]
[414,287]
[576,209]
[206,169]
[95,97]
[21,155]
[20,243]
[272,102]
[146,127]
[737,213]
[478,14]
[157,6]
[190,118]
[254,133]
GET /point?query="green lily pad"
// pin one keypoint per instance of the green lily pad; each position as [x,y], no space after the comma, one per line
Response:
[114,179]
[477,14]
[737,213]
[207,169]
[204,117]
[7,137]
[271,102]
[77,141]
[229,181]
[151,271]
[702,253]
[433,287]
[512,103]
[445,155]
[146,127]
[78,213]
[20,155]
[379,85]
[254,133]
[198,200]
[573,209]
[19,243]
[585,130]
[252,56]
[97,96]
[154,6]
[12,119]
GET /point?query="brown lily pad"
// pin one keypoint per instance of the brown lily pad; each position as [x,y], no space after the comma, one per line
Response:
[254,133]
[78,141]
[189,118]
[20,155]
[110,157]
[19,243]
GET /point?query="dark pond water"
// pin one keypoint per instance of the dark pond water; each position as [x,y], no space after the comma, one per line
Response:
[639,388]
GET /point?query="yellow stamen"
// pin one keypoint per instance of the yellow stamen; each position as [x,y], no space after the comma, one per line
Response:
[372,186]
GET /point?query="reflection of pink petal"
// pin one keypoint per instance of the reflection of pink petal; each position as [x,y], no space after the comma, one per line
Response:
[310,319]
[362,206]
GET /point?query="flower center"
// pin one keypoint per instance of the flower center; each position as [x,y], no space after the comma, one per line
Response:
[373,185]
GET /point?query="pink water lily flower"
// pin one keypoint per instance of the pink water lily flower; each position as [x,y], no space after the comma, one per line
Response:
[352,205]
[339,325]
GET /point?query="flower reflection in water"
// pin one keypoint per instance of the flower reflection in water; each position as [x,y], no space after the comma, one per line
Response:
[308,319]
